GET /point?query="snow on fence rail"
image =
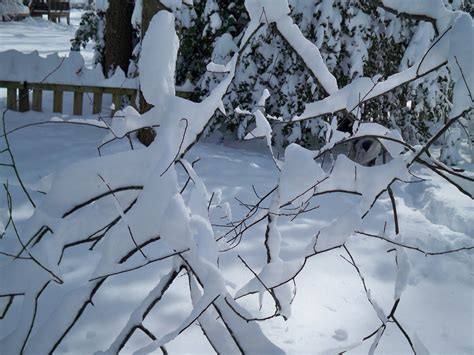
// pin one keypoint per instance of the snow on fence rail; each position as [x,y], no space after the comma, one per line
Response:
[21,73]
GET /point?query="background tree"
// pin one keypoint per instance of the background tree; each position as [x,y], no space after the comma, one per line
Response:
[356,38]
[118,36]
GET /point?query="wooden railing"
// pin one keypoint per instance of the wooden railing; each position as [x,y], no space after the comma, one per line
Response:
[18,96]
[58,9]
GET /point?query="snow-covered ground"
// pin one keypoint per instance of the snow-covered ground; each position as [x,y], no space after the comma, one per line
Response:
[330,309]
[46,37]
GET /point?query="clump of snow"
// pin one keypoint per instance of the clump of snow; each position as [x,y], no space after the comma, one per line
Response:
[263,128]
[172,4]
[403,267]
[431,8]
[158,59]
[299,175]
[137,14]
[102,5]
[308,52]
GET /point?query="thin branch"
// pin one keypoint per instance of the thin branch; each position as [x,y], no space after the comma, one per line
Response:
[464,78]
[178,153]
[394,209]
[149,261]
[431,253]
[404,333]
[430,48]
[98,197]
[122,213]
[270,291]
[13,162]
[10,208]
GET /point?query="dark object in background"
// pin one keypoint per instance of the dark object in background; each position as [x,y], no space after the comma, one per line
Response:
[38,8]
[146,135]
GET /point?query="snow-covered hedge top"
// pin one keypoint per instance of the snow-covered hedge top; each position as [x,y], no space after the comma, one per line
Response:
[53,69]
[12,7]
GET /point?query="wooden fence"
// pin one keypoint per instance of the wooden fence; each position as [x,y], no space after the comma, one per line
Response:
[18,98]
[55,9]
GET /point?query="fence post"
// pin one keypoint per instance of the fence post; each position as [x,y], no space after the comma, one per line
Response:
[37,100]
[78,97]
[58,101]
[97,104]
[24,99]
[11,99]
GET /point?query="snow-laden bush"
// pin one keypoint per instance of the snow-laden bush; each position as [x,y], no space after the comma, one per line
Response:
[87,30]
[355,38]
[91,28]
[131,209]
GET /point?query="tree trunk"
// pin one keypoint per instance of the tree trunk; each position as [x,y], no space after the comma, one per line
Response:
[118,35]
[149,9]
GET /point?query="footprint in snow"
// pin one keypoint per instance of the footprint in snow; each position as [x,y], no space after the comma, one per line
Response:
[340,335]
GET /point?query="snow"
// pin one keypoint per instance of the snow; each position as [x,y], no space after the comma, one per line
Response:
[71,70]
[137,14]
[102,5]
[434,9]
[43,36]
[299,175]
[272,275]
[330,310]
[308,52]
[262,128]
[216,21]
[172,4]
[11,8]
[267,11]
[328,295]
[403,270]
[159,51]
[444,50]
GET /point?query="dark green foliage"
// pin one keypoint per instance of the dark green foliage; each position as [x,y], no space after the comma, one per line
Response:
[87,30]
